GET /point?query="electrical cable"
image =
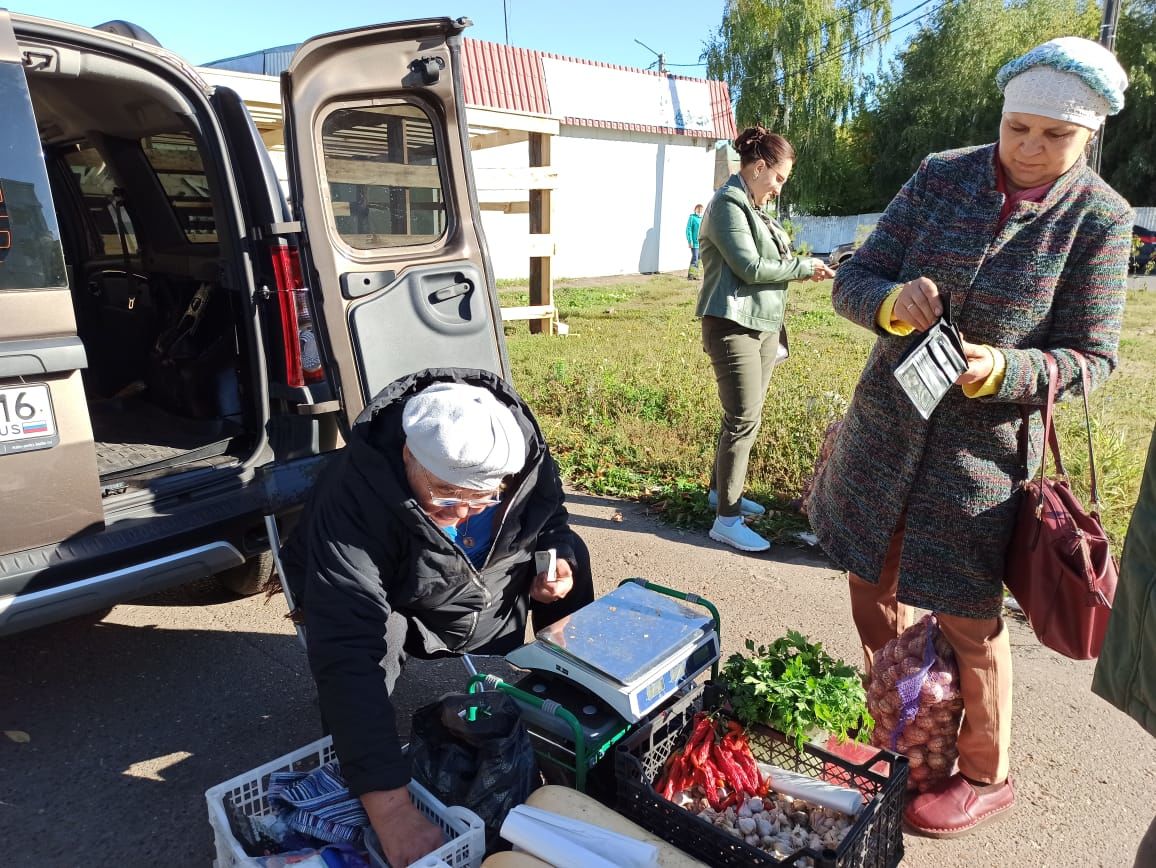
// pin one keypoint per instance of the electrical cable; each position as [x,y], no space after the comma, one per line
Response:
[866,40]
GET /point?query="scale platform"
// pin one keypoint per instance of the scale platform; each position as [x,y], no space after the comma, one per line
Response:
[632,648]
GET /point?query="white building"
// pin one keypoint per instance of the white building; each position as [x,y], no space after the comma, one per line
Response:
[630,153]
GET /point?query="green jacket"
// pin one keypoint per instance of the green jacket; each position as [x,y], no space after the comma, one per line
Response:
[746,262]
[1126,672]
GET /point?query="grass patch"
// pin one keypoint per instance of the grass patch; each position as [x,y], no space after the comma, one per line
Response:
[629,405]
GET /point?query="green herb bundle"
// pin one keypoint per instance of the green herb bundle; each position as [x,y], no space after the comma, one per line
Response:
[795,686]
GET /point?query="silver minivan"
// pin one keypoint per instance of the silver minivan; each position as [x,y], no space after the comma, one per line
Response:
[179,348]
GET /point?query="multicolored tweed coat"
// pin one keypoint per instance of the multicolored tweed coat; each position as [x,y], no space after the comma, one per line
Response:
[1052,278]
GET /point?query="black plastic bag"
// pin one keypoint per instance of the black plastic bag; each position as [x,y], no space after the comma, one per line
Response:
[486,764]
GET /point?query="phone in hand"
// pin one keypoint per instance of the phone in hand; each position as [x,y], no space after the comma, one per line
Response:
[546,561]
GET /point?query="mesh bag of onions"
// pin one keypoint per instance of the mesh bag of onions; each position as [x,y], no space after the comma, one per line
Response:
[914,697]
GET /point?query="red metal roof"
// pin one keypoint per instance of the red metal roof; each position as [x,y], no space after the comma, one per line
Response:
[503,77]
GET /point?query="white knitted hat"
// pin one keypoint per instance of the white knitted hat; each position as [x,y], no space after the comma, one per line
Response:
[1069,79]
[463,435]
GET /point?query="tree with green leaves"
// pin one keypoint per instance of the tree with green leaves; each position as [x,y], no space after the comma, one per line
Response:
[792,66]
[940,91]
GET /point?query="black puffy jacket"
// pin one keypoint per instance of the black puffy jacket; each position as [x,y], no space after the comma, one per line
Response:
[364,549]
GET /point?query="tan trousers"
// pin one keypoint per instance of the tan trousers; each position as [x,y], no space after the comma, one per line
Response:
[982,650]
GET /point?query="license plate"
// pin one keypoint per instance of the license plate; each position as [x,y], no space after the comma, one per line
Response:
[26,420]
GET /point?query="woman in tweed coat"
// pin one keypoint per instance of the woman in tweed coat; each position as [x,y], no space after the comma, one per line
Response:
[1029,248]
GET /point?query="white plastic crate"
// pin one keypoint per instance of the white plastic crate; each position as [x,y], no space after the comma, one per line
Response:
[466,833]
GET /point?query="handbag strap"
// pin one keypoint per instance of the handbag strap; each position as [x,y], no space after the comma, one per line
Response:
[1051,438]
[1085,388]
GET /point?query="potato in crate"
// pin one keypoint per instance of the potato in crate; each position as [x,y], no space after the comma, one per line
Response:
[245,799]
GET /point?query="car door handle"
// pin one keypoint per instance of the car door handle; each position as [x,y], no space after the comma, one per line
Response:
[33,358]
[454,291]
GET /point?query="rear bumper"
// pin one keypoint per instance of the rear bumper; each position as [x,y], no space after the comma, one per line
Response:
[155,548]
[26,611]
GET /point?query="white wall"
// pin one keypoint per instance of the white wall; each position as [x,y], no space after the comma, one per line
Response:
[620,207]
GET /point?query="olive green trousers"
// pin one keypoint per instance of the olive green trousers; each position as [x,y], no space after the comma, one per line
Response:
[743,361]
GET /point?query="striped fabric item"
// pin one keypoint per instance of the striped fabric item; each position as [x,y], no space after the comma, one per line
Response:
[318,803]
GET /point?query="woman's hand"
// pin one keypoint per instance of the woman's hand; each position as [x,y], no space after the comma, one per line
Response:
[821,271]
[545,590]
[918,304]
[979,364]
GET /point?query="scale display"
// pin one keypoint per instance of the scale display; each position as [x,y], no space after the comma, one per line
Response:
[633,648]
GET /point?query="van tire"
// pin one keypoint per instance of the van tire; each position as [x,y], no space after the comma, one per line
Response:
[249,578]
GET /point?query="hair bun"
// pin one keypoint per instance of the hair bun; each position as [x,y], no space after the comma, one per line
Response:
[757,142]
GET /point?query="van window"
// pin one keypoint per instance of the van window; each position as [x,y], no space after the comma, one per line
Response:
[105,207]
[30,253]
[177,161]
[382,167]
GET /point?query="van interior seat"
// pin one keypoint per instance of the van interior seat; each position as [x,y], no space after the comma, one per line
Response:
[166,343]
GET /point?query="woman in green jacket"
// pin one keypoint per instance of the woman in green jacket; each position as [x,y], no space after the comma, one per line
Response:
[1126,673]
[746,263]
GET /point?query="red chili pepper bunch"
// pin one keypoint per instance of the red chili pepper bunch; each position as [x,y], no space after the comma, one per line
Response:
[713,764]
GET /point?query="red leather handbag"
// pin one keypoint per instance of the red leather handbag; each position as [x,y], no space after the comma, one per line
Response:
[1059,566]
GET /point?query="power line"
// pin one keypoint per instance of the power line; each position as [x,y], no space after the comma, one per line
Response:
[866,40]
[848,15]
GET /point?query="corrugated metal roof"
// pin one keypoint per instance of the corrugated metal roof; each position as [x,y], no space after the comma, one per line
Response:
[504,77]
[508,78]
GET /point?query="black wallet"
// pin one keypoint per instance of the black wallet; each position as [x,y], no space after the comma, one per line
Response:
[932,364]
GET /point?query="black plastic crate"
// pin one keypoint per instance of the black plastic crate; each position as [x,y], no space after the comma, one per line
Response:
[875,839]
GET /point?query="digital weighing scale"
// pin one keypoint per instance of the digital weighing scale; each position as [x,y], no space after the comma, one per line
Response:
[633,648]
[597,673]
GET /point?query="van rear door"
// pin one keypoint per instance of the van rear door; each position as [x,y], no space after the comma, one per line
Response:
[380,177]
[48,476]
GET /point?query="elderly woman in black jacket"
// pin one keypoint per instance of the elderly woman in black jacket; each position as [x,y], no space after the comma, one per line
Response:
[419,541]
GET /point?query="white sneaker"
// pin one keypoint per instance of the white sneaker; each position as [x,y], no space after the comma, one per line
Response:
[739,536]
[746,507]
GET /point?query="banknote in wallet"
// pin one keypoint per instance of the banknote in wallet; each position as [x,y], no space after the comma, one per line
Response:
[932,364]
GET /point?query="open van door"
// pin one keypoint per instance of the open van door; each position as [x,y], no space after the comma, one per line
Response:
[48,475]
[381,182]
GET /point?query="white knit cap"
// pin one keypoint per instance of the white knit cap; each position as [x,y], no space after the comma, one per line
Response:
[463,435]
[1053,94]
[1070,79]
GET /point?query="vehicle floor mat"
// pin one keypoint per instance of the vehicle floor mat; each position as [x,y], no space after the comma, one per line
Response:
[132,432]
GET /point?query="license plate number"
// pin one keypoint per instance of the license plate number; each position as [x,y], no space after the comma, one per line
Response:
[26,420]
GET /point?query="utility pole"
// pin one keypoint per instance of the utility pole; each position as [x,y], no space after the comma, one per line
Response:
[506,18]
[1108,25]
[659,54]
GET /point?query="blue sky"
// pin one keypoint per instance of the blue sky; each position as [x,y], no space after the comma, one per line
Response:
[594,29]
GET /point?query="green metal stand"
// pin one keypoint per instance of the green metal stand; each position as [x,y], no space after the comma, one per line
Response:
[493,682]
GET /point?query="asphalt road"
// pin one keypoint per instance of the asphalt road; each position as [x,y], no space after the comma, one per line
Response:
[130,718]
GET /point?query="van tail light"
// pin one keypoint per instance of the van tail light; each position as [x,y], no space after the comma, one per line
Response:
[302,354]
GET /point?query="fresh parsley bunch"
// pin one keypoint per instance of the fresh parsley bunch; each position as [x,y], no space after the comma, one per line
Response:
[795,686]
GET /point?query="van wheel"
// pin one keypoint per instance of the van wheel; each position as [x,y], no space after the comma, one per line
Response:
[250,577]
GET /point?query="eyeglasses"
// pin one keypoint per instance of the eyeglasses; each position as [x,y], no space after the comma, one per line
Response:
[450,502]
[480,503]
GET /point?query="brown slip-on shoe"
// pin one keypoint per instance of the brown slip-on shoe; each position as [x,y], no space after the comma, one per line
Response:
[956,808]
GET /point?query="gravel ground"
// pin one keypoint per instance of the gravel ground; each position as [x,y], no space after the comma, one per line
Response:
[130,718]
